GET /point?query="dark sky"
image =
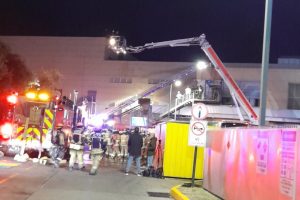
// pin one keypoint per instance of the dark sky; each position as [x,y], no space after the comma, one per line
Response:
[233,27]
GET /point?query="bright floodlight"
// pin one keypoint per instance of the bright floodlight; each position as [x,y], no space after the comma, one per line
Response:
[112,41]
[117,44]
[178,83]
[103,116]
[201,65]
[111,123]
[96,121]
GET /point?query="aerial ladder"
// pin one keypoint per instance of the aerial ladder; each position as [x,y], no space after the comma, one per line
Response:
[118,45]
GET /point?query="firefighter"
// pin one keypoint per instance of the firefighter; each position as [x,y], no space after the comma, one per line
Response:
[107,139]
[123,143]
[77,141]
[96,151]
[115,138]
[60,143]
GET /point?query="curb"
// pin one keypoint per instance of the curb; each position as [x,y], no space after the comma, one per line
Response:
[176,194]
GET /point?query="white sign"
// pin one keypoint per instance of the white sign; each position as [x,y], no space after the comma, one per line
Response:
[288,163]
[262,150]
[197,133]
[199,111]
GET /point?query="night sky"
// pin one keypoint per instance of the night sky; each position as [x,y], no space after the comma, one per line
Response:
[233,27]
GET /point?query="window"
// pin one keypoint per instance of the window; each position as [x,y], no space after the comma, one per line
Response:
[294,96]
[121,80]
[91,95]
[227,101]
[155,81]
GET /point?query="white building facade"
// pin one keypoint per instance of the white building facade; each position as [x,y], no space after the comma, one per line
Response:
[82,63]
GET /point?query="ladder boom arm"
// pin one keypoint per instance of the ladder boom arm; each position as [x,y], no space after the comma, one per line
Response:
[213,57]
[229,81]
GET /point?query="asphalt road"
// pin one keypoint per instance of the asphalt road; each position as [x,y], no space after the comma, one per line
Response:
[33,181]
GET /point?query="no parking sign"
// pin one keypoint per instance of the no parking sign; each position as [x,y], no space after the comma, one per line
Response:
[198,126]
[197,133]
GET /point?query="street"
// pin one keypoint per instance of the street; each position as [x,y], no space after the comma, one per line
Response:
[33,181]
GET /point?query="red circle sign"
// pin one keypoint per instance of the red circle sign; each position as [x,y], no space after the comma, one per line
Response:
[198,128]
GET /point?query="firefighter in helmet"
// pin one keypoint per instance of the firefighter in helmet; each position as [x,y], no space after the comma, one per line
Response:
[124,142]
[60,143]
[77,142]
[96,151]
[107,139]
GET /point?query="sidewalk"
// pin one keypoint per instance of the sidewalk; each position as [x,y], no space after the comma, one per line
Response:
[186,192]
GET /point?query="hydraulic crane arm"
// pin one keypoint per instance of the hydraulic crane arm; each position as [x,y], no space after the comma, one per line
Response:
[229,81]
[120,46]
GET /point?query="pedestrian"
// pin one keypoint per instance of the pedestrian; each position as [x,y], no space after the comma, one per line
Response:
[103,143]
[135,143]
[123,143]
[107,139]
[77,141]
[60,143]
[96,151]
[188,92]
[178,97]
[115,140]
[151,149]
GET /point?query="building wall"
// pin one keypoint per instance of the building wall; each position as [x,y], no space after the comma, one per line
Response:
[82,64]
[279,78]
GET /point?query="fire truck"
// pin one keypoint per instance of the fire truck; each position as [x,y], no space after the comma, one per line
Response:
[35,118]
[7,107]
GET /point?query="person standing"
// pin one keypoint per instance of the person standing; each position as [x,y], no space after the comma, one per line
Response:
[107,139]
[151,149]
[178,97]
[123,143]
[76,147]
[135,143]
[60,143]
[188,93]
[96,151]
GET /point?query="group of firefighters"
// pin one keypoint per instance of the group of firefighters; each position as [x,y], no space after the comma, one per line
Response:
[101,143]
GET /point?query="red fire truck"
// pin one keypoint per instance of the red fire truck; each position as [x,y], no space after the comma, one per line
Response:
[7,110]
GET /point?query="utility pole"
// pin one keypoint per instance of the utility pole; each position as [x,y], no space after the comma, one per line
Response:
[265,62]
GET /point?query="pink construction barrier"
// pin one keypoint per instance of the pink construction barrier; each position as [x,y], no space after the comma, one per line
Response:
[253,164]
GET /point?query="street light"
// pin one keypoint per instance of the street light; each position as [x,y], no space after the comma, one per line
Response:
[201,65]
[177,83]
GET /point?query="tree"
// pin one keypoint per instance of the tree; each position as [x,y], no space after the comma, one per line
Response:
[14,74]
